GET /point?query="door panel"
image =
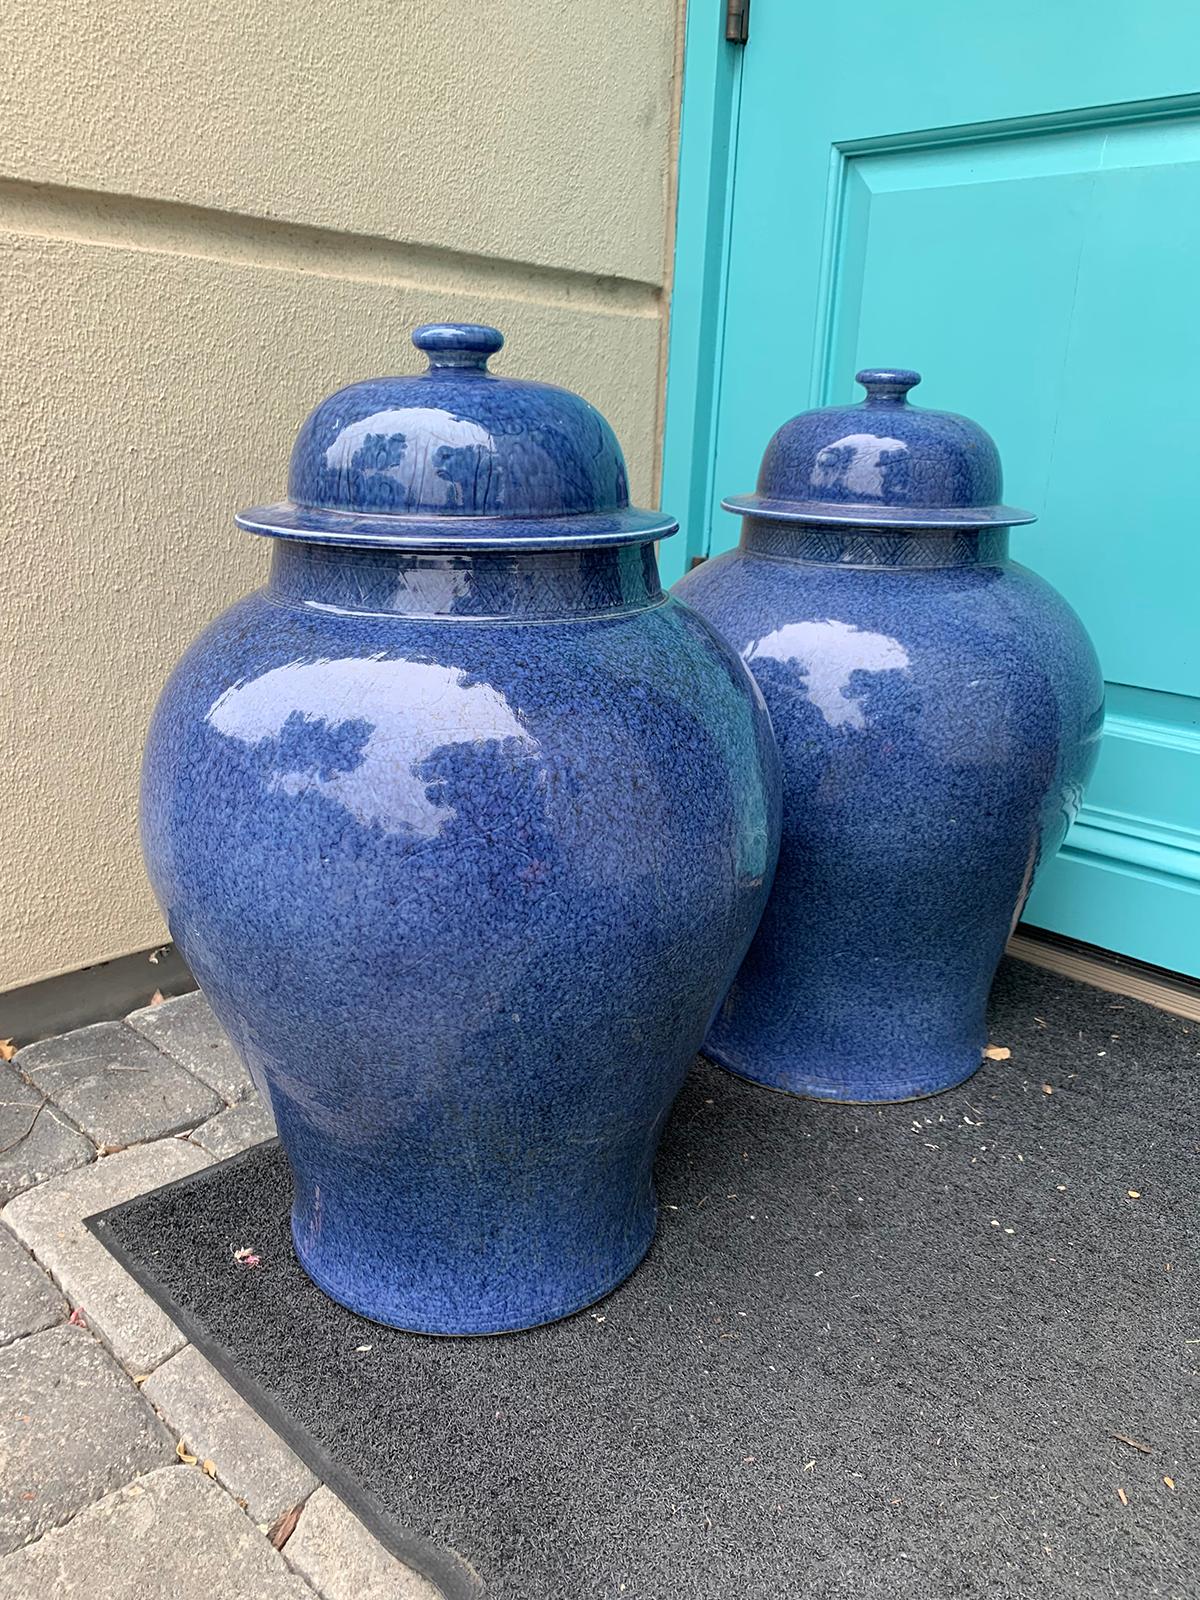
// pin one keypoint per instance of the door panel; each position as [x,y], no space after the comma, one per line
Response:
[1009,203]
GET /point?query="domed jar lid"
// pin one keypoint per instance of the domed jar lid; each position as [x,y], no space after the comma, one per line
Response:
[457,458]
[881,463]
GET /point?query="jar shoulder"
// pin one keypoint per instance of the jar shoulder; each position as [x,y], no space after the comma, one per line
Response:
[261,651]
[385,757]
[652,705]
[938,615]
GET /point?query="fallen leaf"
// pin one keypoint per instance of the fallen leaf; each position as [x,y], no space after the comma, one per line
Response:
[141,1378]
[1047,1088]
[181,1450]
[284,1528]
[997,1052]
[208,1467]
[7,1049]
[1122,1497]
[1170,1482]
[77,1318]
[1134,1194]
[246,1257]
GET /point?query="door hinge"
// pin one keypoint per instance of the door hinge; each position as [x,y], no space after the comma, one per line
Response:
[737,21]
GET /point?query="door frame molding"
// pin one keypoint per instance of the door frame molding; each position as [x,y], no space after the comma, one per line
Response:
[708,125]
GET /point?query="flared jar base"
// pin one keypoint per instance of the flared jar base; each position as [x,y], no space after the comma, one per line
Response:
[807,1078]
[396,1312]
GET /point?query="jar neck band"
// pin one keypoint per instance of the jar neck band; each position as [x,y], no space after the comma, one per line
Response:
[544,584]
[875,547]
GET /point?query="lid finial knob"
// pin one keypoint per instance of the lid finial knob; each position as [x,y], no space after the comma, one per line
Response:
[462,345]
[887,386]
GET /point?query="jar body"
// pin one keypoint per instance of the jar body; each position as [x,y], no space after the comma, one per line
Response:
[464,854]
[938,710]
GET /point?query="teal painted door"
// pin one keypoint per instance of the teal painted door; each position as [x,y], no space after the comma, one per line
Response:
[1008,199]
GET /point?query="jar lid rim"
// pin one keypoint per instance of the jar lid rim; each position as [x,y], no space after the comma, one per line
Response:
[869,514]
[622,525]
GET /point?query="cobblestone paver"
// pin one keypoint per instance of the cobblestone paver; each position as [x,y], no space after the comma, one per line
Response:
[186,1029]
[48,1220]
[96,1501]
[115,1085]
[237,1128]
[344,1561]
[29,1301]
[170,1535]
[59,1388]
[216,1424]
[36,1141]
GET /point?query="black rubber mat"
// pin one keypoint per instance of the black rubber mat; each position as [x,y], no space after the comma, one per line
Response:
[941,1349]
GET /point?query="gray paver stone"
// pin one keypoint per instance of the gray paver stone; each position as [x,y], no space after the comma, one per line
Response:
[214,1421]
[48,1221]
[237,1128]
[35,1140]
[72,1427]
[172,1533]
[29,1301]
[344,1561]
[186,1029]
[115,1085]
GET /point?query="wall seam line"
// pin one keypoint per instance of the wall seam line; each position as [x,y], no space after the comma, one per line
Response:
[172,228]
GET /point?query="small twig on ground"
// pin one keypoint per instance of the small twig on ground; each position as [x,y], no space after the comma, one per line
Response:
[21,1137]
[1134,1444]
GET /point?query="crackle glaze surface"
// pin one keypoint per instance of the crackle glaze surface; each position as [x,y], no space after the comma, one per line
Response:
[938,709]
[464,849]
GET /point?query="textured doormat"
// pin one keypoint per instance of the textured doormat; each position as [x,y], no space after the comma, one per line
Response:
[947,1348]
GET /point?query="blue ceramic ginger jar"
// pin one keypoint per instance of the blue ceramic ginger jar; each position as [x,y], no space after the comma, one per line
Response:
[938,710]
[463,826]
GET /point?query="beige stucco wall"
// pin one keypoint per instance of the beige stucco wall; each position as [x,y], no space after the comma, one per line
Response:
[210,215]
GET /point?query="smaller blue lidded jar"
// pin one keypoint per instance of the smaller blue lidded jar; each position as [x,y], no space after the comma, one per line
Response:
[938,709]
[463,826]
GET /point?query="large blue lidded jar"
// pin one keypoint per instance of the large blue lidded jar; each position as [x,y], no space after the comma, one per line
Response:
[938,710]
[463,826]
